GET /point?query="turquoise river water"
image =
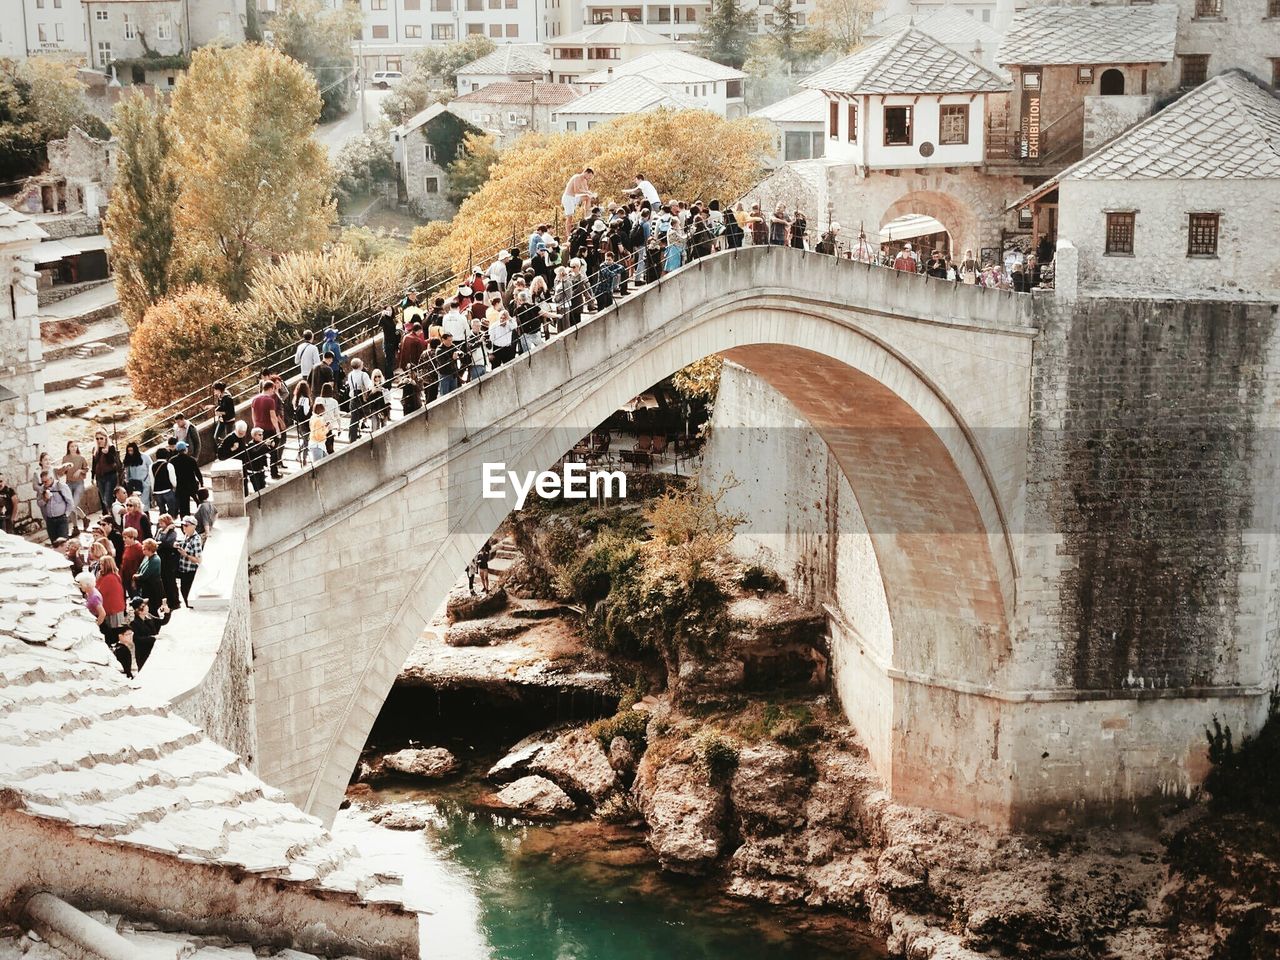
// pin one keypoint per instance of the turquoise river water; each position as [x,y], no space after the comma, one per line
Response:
[493,889]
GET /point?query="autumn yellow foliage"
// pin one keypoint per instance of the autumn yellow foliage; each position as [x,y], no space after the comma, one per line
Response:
[687,154]
[183,342]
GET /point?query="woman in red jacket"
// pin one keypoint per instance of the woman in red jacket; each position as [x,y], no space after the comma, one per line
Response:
[112,590]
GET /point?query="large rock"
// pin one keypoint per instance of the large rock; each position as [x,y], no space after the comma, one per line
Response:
[684,812]
[463,606]
[535,797]
[428,763]
[768,790]
[401,818]
[578,763]
[710,682]
[520,757]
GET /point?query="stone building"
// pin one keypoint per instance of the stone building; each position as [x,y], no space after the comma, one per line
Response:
[510,110]
[800,125]
[78,180]
[624,96]
[22,414]
[711,85]
[423,147]
[1184,203]
[509,63]
[131,29]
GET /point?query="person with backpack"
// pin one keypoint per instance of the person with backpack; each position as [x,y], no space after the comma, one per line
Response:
[162,481]
[361,388]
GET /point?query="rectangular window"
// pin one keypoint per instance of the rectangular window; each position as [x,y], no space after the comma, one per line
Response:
[474,5]
[412,31]
[381,32]
[571,126]
[1195,69]
[428,153]
[164,28]
[475,29]
[1120,234]
[495,30]
[58,32]
[1084,74]
[513,4]
[41,34]
[568,53]
[39,6]
[799,19]
[1208,9]
[897,127]
[833,119]
[513,29]
[1202,235]
[431,184]
[851,123]
[57,4]
[1031,81]
[495,4]
[442,31]
[953,123]
[377,4]
[104,53]
[413,4]
[101,15]
[1273,9]
[603,53]
[1275,73]
[442,6]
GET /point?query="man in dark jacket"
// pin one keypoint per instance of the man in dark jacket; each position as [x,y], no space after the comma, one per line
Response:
[187,479]
[162,478]
[390,340]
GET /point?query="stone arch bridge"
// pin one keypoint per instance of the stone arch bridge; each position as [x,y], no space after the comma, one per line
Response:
[1002,693]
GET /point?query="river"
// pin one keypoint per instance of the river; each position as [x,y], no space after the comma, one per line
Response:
[498,889]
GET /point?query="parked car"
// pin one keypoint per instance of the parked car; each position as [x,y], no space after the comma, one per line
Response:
[383,79]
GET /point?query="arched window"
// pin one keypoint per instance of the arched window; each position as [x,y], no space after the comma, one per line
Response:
[1112,84]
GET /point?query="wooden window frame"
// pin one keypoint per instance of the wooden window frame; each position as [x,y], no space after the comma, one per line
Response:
[942,110]
[1201,59]
[1121,227]
[851,121]
[911,129]
[1209,10]
[1203,233]
[833,119]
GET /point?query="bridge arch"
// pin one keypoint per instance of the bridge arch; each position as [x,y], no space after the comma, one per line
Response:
[926,480]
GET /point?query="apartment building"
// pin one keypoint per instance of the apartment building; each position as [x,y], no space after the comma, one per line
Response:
[43,28]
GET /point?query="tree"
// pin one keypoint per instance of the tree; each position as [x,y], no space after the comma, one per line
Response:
[254,183]
[182,342]
[783,32]
[840,25]
[40,100]
[315,34]
[725,33]
[139,220]
[470,170]
[365,160]
[525,185]
[699,380]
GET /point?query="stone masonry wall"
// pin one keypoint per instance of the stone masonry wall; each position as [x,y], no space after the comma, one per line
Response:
[22,420]
[1149,440]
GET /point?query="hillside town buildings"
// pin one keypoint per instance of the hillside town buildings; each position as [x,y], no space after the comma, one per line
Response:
[510,110]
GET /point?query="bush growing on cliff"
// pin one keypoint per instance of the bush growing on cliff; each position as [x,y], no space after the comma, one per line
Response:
[717,755]
[588,577]
[629,724]
[757,577]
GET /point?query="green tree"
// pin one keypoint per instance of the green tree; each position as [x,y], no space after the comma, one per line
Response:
[783,32]
[470,170]
[365,160]
[139,220]
[320,36]
[725,33]
[432,77]
[252,28]
[254,184]
[40,100]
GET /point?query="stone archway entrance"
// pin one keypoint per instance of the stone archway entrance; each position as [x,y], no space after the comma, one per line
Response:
[958,219]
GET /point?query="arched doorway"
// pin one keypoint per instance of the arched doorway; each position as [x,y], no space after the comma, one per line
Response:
[956,218]
[1111,83]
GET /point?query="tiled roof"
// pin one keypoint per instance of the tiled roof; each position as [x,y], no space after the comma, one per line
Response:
[906,62]
[807,106]
[15,226]
[424,117]
[521,94]
[611,34]
[1225,129]
[668,66]
[949,25]
[81,745]
[510,58]
[628,95]
[1090,35]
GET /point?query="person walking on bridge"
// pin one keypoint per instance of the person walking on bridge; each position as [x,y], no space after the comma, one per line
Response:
[307,354]
[267,418]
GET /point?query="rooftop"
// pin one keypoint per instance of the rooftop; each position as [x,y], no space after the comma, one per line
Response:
[611,35]
[628,95]
[522,94]
[422,118]
[510,58]
[948,25]
[1228,128]
[82,746]
[904,63]
[16,227]
[807,106]
[668,66]
[1090,35]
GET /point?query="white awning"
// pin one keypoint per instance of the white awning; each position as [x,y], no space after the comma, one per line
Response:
[51,251]
[908,227]
[85,244]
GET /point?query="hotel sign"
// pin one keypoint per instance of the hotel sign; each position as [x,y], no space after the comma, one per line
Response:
[1030,116]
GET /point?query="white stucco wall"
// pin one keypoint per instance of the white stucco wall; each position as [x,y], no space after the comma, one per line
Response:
[871,150]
